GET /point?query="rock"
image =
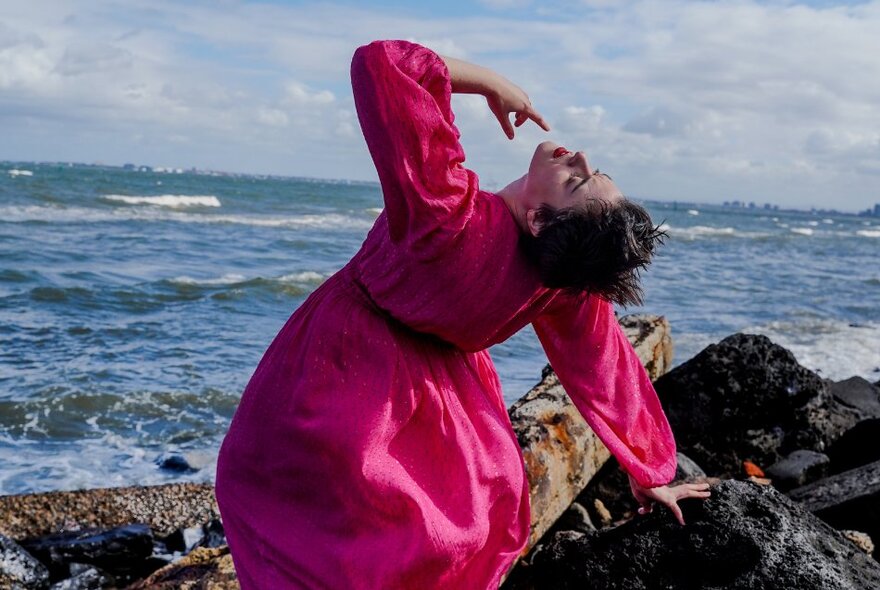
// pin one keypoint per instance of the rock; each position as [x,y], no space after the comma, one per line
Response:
[848,500]
[746,398]
[651,337]
[862,540]
[560,450]
[164,507]
[798,468]
[87,579]
[203,568]
[858,446]
[744,537]
[687,470]
[20,569]
[604,514]
[213,535]
[175,463]
[609,491]
[120,550]
[611,487]
[859,394]
[576,518]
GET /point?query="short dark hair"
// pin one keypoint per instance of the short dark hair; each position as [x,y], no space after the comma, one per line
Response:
[599,247]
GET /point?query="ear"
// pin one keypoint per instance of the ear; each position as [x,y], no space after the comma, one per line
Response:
[533,222]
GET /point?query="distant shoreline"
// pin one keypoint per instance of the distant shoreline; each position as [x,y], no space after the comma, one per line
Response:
[735,205]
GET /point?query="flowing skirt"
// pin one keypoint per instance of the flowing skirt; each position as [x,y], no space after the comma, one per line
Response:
[366,455]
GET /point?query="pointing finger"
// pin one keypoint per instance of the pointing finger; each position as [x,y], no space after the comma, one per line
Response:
[537,118]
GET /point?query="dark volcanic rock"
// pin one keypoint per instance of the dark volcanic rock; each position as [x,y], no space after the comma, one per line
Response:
[746,398]
[611,486]
[858,446]
[798,468]
[87,579]
[18,568]
[121,550]
[687,470]
[859,394]
[745,536]
[175,462]
[848,500]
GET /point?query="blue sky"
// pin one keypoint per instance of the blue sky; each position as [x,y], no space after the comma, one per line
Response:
[705,101]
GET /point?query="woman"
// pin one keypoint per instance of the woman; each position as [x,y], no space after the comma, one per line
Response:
[372,447]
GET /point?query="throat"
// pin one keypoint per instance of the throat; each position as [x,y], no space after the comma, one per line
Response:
[512,195]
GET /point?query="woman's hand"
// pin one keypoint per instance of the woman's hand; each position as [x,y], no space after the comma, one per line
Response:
[504,97]
[667,496]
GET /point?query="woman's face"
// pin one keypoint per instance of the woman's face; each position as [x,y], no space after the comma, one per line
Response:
[560,178]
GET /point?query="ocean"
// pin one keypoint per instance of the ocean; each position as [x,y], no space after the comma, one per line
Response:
[135,305]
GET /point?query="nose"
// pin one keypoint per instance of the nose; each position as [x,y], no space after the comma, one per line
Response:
[580,162]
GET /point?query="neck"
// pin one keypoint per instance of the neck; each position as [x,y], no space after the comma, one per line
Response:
[513,194]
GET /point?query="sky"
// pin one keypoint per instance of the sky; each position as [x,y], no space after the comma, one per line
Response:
[707,101]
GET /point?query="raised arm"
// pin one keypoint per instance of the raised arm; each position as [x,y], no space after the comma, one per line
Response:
[503,96]
[402,92]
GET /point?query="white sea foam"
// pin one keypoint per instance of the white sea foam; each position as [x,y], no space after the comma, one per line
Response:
[693,212]
[168,200]
[828,221]
[227,279]
[704,231]
[17,172]
[813,223]
[804,231]
[56,214]
[307,276]
[868,233]
[833,348]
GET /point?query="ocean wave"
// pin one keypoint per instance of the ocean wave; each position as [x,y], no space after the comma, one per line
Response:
[227,279]
[119,439]
[833,348]
[704,231]
[868,233]
[167,200]
[234,279]
[17,172]
[60,214]
[302,277]
[804,231]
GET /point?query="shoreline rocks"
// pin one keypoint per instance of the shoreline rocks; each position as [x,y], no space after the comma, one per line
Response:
[739,408]
[745,536]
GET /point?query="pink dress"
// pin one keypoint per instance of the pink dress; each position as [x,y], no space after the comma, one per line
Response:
[372,448]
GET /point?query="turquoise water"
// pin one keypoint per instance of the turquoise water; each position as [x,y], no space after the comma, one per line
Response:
[134,306]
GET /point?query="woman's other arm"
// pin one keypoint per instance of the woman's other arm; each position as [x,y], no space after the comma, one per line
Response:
[504,97]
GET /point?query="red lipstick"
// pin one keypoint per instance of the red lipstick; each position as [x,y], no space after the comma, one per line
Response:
[560,151]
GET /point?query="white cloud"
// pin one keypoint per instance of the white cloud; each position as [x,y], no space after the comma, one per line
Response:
[776,101]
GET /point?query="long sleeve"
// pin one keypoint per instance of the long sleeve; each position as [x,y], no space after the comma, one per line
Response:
[603,376]
[402,93]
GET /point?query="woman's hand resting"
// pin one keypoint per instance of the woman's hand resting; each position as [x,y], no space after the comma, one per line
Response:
[504,97]
[668,496]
